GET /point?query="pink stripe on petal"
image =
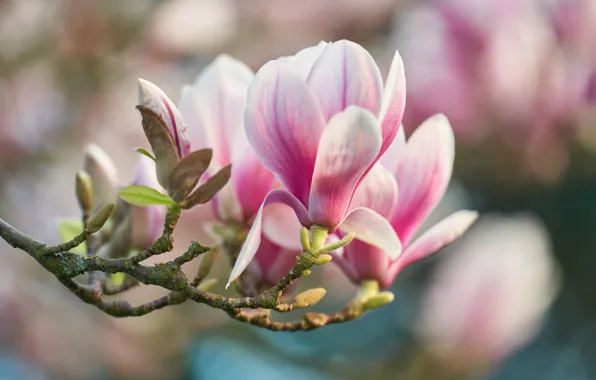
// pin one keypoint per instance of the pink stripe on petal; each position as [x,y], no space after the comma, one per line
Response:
[284,126]
[395,151]
[253,239]
[345,74]
[250,178]
[348,147]
[423,174]
[372,228]
[440,235]
[394,101]
[377,191]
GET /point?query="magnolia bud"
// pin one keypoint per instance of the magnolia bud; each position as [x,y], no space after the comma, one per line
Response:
[154,99]
[102,171]
[84,191]
[378,300]
[323,259]
[316,319]
[207,284]
[309,297]
[207,263]
[100,217]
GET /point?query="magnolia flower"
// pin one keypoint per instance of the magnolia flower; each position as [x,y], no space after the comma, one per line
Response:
[213,107]
[489,297]
[320,120]
[147,222]
[420,169]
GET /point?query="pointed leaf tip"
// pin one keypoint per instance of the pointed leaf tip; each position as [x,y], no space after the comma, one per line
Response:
[145,152]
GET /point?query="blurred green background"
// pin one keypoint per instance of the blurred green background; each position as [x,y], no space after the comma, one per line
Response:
[517,79]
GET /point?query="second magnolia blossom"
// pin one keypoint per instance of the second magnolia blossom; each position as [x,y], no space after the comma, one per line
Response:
[320,120]
[213,108]
[421,170]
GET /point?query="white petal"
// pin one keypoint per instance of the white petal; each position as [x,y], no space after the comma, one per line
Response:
[372,228]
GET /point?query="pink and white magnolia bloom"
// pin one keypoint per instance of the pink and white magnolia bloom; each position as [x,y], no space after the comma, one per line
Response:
[147,222]
[213,107]
[156,100]
[320,120]
[421,170]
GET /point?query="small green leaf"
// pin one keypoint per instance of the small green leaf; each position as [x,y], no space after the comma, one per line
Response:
[145,152]
[68,229]
[145,196]
[117,279]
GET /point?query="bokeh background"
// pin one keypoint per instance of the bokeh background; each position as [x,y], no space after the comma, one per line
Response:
[514,299]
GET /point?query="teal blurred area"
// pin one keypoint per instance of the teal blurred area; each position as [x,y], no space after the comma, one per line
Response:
[514,299]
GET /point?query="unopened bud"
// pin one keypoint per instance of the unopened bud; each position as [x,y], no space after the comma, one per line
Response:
[84,191]
[309,297]
[306,272]
[208,284]
[378,300]
[98,219]
[323,259]
[102,171]
[207,263]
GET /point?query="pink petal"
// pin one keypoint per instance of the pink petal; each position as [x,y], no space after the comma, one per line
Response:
[345,74]
[253,239]
[250,179]
[394,101]
[304,60]
[147,221]
[372,228]
[348,147]
[368,263]
[395,151]
[281,226]
[215,105]
[377,191]
[443,233]
[423,174]
[275,262]
[284,125]
[156,100]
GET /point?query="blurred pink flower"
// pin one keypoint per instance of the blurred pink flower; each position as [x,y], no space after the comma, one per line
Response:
[147,222]
[421,170]
[489,296]
[320,120]
[496,67]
